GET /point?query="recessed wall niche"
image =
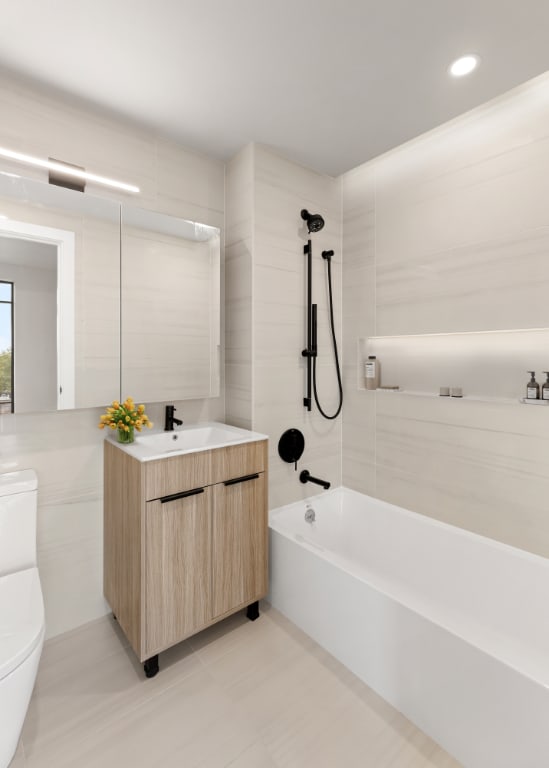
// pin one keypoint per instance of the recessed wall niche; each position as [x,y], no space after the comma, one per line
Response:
[488,365]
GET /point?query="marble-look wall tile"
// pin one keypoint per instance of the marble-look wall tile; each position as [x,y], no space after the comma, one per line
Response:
[282,189]
[170,324]
[484,466]
[359,438]
[190,185]
[461,245]
[359,317]
[97,310]
[451,237]
[239,218]
[66,448]
[472,137]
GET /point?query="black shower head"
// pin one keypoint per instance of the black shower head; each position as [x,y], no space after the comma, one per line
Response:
[315,222]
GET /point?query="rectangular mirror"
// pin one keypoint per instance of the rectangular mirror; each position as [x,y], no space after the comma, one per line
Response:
[62,257]
[59,298]
[170,307]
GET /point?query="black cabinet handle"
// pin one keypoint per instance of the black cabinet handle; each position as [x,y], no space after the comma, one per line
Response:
[182,495]
[241,479]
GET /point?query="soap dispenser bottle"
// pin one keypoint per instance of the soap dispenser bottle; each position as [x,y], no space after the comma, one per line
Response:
[532,388]
[545,388]
[371,372]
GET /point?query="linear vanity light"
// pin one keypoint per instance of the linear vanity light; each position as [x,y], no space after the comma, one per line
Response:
[66,170]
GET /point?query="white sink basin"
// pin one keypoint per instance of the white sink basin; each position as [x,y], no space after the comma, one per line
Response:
[186,439]
[149,446]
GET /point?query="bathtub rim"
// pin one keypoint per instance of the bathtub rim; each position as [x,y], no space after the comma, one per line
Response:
[455,529]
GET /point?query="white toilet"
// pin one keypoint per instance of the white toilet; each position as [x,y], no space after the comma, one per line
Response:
[21,607]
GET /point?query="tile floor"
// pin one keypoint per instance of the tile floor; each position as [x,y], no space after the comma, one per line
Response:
[240,694]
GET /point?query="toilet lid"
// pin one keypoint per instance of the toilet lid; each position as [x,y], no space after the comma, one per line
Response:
[21,618]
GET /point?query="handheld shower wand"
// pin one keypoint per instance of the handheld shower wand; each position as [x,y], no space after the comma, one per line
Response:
[327,256]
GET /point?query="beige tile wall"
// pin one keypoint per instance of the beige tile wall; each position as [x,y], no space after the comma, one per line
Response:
[449,233]
[282,189]
[359,317]
[265,196]
[239,234]
[167,316]
[66,448]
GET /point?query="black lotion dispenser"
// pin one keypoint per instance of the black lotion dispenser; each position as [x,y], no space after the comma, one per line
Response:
[532,388]
[545,388]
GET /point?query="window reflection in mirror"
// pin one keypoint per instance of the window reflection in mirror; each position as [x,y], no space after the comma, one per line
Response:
[6,346]
[61,251]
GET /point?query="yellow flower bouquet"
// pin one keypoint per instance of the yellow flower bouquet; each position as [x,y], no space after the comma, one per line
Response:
[125,418]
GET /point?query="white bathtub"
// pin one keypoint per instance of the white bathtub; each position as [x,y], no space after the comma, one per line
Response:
[451,628]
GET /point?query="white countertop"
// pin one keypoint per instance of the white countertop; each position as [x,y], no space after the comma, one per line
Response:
[154,444]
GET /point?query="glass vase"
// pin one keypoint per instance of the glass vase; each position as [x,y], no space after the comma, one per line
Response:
[125,436]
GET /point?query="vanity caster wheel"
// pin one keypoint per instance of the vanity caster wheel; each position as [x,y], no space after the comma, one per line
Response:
[151,666]
[114,617]
[252,611]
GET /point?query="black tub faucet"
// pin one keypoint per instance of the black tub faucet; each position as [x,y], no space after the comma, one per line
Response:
[306,477]
[170,420]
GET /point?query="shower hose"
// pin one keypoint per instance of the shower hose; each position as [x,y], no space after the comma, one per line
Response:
[336,356]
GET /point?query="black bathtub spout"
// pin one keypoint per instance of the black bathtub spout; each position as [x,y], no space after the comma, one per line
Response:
[306,477]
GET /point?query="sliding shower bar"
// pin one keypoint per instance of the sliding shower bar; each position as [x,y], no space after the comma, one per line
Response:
[311,349]
[315,223]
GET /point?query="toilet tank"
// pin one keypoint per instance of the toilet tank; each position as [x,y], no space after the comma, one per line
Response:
[18,492]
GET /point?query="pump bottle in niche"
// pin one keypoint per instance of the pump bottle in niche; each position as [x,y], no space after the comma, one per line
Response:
[545,388]
[532,388]
[371,372]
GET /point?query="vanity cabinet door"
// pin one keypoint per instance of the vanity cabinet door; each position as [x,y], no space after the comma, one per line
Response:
[239,543]
[177,554]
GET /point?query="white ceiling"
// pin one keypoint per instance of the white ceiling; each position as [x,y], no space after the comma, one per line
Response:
[329,83]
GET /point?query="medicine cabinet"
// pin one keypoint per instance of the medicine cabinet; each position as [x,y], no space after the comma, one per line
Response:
[99,300]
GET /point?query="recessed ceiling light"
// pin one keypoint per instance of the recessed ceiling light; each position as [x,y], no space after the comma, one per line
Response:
[464,65]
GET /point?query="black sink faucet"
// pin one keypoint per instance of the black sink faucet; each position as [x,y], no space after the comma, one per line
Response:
[170,419]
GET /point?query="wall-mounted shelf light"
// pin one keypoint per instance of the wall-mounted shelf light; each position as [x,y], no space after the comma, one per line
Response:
[51,165]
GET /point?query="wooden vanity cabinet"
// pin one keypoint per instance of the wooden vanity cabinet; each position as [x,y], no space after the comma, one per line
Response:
[185,540]
[239,544]
[178,592]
